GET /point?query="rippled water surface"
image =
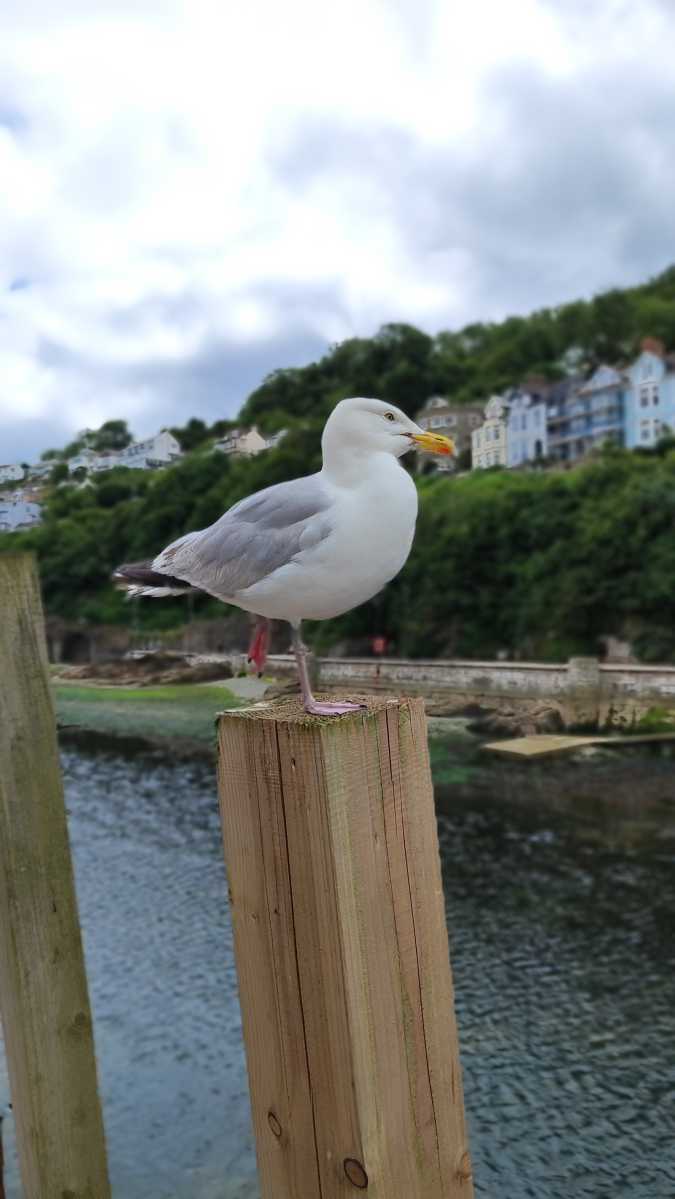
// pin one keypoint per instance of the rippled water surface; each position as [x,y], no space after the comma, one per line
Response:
[560,885]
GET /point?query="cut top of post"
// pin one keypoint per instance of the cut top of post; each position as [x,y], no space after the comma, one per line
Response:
[291,711]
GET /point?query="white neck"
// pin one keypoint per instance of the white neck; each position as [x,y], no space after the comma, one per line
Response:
[346,467]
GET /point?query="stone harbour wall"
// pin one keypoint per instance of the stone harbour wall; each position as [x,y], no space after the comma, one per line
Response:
[583,691]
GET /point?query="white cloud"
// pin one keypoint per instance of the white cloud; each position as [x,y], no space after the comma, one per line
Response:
[184,176]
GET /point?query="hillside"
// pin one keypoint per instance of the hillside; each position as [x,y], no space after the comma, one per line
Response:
[540,565]
[403,365]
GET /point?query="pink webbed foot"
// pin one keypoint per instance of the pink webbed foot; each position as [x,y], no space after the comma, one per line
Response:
[316,708]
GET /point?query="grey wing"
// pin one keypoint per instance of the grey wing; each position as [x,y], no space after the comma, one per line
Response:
[252,539]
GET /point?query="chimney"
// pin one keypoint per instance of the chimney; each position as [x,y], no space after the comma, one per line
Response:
[652,345]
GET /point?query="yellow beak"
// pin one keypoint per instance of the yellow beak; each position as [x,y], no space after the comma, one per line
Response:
[434,443]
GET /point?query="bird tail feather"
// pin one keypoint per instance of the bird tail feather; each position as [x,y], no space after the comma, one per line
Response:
[139,579]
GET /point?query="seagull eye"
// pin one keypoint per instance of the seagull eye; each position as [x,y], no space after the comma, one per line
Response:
[389,416]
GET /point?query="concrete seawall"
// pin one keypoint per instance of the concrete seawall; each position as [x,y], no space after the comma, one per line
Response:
[582,691]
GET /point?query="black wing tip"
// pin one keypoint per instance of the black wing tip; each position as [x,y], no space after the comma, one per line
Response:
[141,574]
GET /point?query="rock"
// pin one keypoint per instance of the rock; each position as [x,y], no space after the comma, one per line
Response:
[150,670]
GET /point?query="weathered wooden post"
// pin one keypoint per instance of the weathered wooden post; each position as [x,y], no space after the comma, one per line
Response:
[2,1164]
[43,988]
[342,953]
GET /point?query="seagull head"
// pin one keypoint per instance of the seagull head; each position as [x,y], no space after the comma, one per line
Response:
[378,427]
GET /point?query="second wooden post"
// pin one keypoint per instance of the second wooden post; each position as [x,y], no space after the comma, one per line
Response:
[342,954]
[43,986]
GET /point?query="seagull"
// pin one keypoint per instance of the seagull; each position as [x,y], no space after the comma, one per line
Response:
[311,548]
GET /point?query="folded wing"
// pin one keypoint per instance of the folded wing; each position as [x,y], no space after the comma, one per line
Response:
[252,540]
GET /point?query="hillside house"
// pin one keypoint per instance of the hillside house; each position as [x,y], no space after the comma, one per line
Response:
[154,452]
[273,440]
[84,460]
[11,472]
[584,415]
[40,470]
[18,513]
[650,395]
[526,432]
[457,421]
[489,442]
[242,443]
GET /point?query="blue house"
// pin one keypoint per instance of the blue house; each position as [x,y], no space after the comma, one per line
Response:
[526,435]
[585,415]
[650,397]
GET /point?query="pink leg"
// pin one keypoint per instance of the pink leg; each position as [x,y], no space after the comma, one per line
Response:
[260,643]
[314,706]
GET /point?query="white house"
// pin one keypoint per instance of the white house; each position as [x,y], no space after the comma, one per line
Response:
[10,472]
[159,450]
[40,470]
[85,459]
[156,451]
[242,443]
[489,442]
[17,513]
[526,438]
[273,440]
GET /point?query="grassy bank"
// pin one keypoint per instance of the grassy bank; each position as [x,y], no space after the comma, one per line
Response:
[177,714]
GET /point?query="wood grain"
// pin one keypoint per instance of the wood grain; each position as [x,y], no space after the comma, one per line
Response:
[43,989]
[342,953]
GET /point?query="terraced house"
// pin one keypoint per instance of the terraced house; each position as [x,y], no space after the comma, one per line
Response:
[585,415]
[566,421]
[650,396]
[489,442]
[526,427]
[452,420]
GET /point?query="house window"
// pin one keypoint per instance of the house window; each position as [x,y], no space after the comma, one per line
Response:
[655,394]
[644,397]
[645,430]
[523,421]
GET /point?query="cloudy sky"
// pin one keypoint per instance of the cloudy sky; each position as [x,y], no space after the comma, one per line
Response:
[193,192]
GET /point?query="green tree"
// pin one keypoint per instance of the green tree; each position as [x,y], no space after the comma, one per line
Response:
[112,435]
[58,473]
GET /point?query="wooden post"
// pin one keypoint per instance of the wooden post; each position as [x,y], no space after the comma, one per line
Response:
[342,953]
[43,987]
[2,1164]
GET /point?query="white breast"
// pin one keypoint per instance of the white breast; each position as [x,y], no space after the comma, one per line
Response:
[373,527]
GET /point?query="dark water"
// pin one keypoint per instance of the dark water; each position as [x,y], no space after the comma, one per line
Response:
[560,885]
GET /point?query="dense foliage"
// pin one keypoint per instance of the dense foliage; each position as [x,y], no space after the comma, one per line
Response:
[536,564]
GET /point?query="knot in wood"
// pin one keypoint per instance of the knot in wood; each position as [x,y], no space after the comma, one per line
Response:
[464,1168]
[274,1124]
[356,1173]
